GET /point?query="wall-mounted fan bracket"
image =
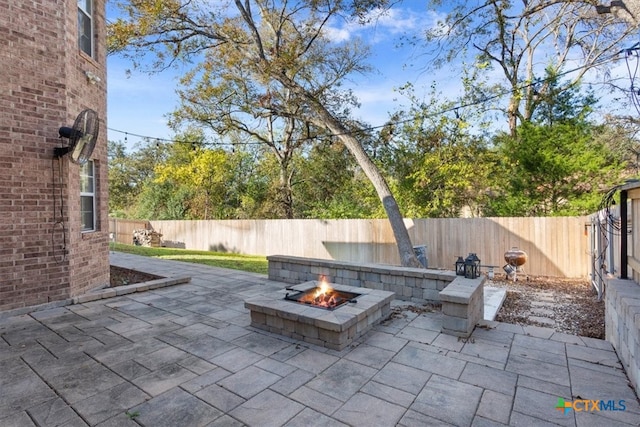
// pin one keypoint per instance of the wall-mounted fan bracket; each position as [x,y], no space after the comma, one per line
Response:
[60,151]
[82,137]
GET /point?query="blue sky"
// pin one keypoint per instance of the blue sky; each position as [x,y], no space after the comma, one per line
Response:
[138,103]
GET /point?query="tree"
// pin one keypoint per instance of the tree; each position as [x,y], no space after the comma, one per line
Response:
[129,173]
[629,10]
[620,136]
[515,37]
[121,188]
[281,46]
[556,164]
[331,185]
[204,174]
[162,201]
[223,96]
[439,167]
[555,170]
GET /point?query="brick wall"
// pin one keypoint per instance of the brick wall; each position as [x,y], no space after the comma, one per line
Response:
[43,255]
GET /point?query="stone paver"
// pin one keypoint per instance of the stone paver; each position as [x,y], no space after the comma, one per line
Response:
[366,410]
[539,405]
[342,379]
[267,409]
[497,380]
[454,402]
[495,406]
[185,355]
[316,400]
[174,408]
[109,403]
[310,418]
[403,377]
[220,397]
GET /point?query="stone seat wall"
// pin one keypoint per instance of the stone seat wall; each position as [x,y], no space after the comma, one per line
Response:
[462,299]
[409,284]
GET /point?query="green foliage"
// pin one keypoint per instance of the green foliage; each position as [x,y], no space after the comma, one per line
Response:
[329,184]
[162,201]
[556,165]
[132,415]
[274,79]
[561,102]
[129,172]
[554,170]
[203,175]
[437,166]
[121,189]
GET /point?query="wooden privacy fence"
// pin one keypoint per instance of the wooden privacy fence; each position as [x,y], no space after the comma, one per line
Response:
[121,230]
[556,246]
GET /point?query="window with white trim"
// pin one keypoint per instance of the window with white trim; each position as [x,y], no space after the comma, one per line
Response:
[85,26]
[88,196]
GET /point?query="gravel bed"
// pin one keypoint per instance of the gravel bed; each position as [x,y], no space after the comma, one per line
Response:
[566,305]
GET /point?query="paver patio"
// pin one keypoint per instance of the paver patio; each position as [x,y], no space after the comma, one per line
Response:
[186,356]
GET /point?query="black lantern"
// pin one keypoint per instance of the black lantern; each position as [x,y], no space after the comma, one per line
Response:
[472,266]
[460,266]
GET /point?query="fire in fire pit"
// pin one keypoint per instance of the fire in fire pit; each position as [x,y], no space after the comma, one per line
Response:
[329,328]
[323,296]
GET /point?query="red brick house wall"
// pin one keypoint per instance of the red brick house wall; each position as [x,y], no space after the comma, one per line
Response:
[44,256]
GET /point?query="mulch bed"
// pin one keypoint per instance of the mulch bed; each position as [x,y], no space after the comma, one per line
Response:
[124,276]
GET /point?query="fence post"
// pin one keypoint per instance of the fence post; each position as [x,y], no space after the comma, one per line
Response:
[623,234]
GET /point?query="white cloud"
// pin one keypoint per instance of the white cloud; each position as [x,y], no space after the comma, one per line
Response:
[395,20]
[337,35]
[384,24]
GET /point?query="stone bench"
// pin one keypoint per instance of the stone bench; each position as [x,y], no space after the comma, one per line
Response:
[462,299]
[409,284]
[462,305]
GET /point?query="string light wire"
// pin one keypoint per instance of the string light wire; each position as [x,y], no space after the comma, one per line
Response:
[454,109]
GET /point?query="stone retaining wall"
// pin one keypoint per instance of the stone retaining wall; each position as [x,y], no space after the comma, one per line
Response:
[409,284]
[462,299]
[622,324]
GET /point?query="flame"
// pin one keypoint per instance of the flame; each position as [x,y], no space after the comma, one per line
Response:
[323,296]
[323,288]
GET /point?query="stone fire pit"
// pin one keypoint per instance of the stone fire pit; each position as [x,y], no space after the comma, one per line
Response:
[333,329]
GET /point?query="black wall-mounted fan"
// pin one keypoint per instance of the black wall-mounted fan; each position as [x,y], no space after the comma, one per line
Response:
[82,137]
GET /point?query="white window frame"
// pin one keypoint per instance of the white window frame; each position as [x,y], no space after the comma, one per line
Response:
[83,16]
[88,191]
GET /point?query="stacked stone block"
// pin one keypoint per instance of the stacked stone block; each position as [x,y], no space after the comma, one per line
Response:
[408,284]
[462,306]
[334,329]
[622,324]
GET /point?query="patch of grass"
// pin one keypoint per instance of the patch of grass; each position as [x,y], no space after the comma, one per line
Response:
[250,263]
[132,415]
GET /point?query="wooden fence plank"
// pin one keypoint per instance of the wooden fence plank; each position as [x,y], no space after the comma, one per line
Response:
[556,246]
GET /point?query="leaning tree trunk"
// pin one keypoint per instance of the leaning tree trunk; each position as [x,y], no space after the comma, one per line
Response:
[325,119]
[405,248]
[285,192]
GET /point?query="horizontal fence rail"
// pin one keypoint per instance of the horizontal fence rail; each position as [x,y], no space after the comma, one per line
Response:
[556,246]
